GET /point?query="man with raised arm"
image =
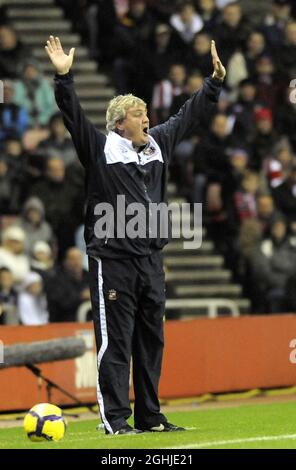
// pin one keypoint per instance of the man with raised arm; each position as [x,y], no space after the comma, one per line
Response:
[126,272]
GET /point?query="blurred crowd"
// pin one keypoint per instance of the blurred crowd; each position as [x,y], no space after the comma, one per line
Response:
[239,160]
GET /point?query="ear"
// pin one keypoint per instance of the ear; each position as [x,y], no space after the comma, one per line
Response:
[120,125]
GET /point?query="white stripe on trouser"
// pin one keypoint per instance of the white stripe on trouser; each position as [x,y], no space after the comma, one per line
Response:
[104,345]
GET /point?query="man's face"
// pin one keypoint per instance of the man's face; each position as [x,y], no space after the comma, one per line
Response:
[55,170]
[256,43]
[219,126]
[135,125]
[7,38]
[248,92]
[232,15]
[264,66]
[207,5]
[264,126]
[265,206]
[187,13]
[202,44]
[58,128]
[177,75]
[73,260]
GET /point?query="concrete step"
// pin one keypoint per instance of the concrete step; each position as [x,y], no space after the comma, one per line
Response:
[20,12]
[90,79]
[106,93]
[182,277]
[189,262]
[98,106]
[39,39]
[47,27]
[214,290]
[80,53]
[90,83]
[80,66]
[191,308]
[95,93]
[31,3]
[99,121]
[176,248]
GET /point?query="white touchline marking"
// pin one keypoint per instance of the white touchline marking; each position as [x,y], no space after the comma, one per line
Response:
[234,441]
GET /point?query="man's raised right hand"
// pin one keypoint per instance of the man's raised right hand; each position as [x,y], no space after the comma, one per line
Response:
[61,61]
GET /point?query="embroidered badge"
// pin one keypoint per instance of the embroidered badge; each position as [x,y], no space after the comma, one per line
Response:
[112,294]
[149,151]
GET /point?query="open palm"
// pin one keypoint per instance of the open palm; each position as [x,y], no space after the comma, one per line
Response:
[219,69]
[61,61]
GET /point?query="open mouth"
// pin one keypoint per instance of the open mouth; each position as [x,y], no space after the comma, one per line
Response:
[145,131]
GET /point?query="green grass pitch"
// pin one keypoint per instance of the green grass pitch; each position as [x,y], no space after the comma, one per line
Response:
[271,425]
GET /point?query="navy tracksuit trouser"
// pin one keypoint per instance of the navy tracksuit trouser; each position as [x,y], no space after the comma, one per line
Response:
[128,300]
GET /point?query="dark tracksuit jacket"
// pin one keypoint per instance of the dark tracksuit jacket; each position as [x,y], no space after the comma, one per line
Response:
[126,274]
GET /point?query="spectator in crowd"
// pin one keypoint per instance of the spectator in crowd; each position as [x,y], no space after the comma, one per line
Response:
[186,22]
[13,118]
[278,167]
[33,223]
[267,213]
[209,14]
[212,152]
[286,54]
[269,84]
[286,116]
[58,143]
[32,303]
[12,175]
[275,22]
[193,83]
[243,110]
[8,298]
[68,288]
[245,196]
[199,55]
[272,263]
[12,253]
[239,160]
[165,91]
[285,195]
[12,52]
[58,197]
[265,138]
[182,164]
[35,94]
[131,40]
[255,48]
[231,34]
[9,191]
[42,260]
[162,53]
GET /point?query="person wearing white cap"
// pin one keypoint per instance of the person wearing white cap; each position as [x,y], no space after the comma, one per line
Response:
[32,304]
[12,255]
[42,260]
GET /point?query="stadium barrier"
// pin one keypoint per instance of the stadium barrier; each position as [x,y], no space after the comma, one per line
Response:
[201,356]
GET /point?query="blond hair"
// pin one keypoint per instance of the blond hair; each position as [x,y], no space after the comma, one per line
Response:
[118,107]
